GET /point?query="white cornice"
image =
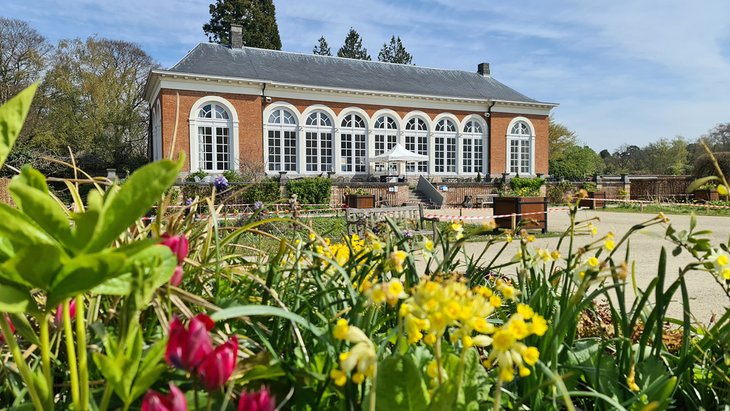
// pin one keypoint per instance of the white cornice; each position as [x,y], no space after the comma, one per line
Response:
[185,81]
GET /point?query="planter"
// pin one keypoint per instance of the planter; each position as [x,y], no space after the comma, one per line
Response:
[706,195]
[596,199]
[524,212]
[359,201]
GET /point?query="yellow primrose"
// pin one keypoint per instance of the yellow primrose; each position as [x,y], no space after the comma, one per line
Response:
[339,377]
[593,262]
[341,329]
[530,355]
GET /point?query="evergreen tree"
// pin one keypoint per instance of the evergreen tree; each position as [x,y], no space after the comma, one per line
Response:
[395,52]
[322,49]
[353,49]
[258,18]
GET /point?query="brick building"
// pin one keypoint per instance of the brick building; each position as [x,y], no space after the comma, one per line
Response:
[225,107]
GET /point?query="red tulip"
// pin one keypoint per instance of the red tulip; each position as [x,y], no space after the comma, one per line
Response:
[176,278]
[257,401]
[178,244]
[216,369]
[174,401]
[71,311]
[186,348]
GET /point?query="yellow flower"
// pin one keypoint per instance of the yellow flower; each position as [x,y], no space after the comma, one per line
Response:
[555,255]
[397,258]
[339,376]
[432,370]
[467,341]
[344,356]
[358,378]
[525,311]
[518,328]
[495,301]
[506,374]
[341,329]
[721,260]
[524,372]
[631,380]
[530,238]
[539,325]
[508,238]
[593,229]
[428,245]
[502,340]
[593,262]
[378,296]
[726,273]
[377,247]
[507,291]
[429,339]
[405,309]
[482,326]
[531,355]
[395,288]
[312,236]
[609,245]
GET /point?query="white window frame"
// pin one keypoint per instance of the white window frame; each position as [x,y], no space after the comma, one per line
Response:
[231,123]
[519,138]
[390,139]
[157,153]
[324,135]
[282,128]
[419,145]
[357,136]
[450,138]
[478,139]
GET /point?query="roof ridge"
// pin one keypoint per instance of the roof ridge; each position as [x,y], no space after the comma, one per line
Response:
[340,58]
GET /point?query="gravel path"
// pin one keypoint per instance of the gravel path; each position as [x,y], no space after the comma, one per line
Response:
[706,295]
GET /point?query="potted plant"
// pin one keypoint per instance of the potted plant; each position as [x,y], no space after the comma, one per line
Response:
[595,199]
[521,204]
[359,198]
[706,193]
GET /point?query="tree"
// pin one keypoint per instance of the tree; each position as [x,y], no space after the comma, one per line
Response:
[394,52]
[322,49]
[94,104]
[576,163]
[718,139]
[23,54]
[258,18]
[353,49]
[560,138]
[665,157]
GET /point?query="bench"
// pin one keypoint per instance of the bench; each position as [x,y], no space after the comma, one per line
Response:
[359,220]
[484,200]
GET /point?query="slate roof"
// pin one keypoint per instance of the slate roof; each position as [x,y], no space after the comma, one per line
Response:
[334,72]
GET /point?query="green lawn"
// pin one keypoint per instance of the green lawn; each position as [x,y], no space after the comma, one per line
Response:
[668,209]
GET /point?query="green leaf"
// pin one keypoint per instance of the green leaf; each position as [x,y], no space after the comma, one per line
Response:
[85,223]
[112,372]
[699,183]
[134,198]
[23,327]
[400,385]
[150,370]
[35,202]
[265,310]
[33,266]
[12,117]
[14,299]
[157,260]
[21,230]
[83,273]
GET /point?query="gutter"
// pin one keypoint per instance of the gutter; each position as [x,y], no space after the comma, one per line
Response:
[488,115]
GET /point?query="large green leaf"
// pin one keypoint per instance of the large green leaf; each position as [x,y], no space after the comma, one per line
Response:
[158,262]
[33,266]
[21,230]
[133,199]
[12,116]
[14,299]
[30,193]
[83,273]
[85,223]
[400,385]
[699,183]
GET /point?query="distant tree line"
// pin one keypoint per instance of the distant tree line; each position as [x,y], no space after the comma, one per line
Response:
[392,52]
[90,102]
[667,156]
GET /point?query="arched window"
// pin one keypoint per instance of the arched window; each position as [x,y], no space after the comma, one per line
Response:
[472,141]
[416,136]
[318,142]
[282,139]
[353,144]
[519,155]
[386,136]
[214,138]
[445,147]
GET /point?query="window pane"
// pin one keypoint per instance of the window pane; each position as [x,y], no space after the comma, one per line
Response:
[205,136]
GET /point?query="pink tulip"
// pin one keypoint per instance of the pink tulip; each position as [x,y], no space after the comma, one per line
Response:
[216,368]
[177,276]
[186,348]
[257,401]
[178,244]
[71,310]
[174,401]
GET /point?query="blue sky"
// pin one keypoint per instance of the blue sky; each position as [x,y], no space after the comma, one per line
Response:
[623,71]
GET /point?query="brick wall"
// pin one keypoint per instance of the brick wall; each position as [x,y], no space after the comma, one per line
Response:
[498,124]
[659,187]
[454,197]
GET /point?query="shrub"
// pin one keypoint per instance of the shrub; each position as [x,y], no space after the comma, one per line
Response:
[266,191]
[525,186]
[200,174]
[556,193]
[704,166]
[313,190]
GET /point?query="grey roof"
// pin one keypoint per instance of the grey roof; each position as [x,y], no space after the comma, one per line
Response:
[334,72]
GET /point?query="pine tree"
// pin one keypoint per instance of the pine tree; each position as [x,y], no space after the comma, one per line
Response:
[322,49]
[258,18]
[353,48]
[395,52]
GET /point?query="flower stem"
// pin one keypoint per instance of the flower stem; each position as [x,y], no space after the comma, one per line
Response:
[70,349]
[20,362]
[373,394]
[498,395]
[46,353]
[81,347]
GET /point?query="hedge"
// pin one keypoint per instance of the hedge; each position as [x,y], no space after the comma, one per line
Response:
[314,190]
[266,191]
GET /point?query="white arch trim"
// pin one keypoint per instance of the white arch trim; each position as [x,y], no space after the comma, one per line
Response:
[314,108]
[486,144]
[353,110]
[193,130]
[532,143]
